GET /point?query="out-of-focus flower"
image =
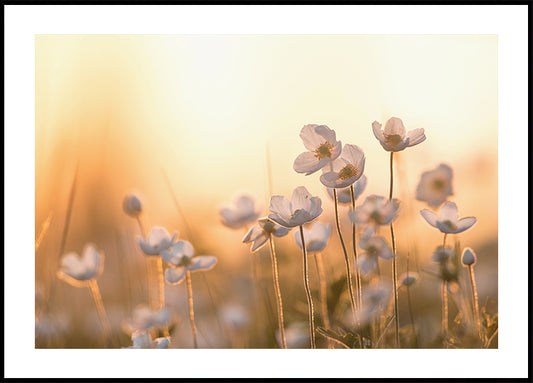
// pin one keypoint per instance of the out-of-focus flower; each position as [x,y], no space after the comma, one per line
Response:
[296,335]
[144,318]
[448,220]
[393,137]
[181,258]
[241,213]
[469,257]
[322,146]
[316,237]
[408,279]
[142,339]
[235,316]
[77,270]
[374,247]
[132,205]
[259,233]
[375,211]
[300,209]
[376,298]
[158,240]
[346,169]
[442,254]
[435,186]
[343,195]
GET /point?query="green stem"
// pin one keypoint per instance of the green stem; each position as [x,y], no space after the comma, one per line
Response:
[475,300]
[394,262]
[275,277]
[191,309]
[357,273]
[308,291]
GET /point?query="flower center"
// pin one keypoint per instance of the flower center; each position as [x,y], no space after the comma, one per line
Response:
[438,184]
[449,224]
[376,217]
[348,172]
[185,261]
[372,251]
[324,150]
[393,139]
[269,227]
[295,212]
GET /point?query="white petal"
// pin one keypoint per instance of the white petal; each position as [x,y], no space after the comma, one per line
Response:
[158,235]
[72,265]
[353,154]
[146,248]
[280,231]
[310,137]
[280,206]
[301,199]
[367,264]
[308,163]
[394,126]
[245,203]
[161,342]
[252,234]
[316,207]
[92,261]
[416,136]
[259,241]
[359,186]
[175,275]
[203,262]
[376,128]
[465,223]
[183,247]
[429,216]
[327,133]
[298,238]
[280,220]
[337,150]
[448,212]
[171,257]
[329,179]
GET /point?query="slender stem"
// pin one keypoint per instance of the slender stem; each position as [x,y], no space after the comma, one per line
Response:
[357,273]
[308,292]
[161,280]
[346,260]
[277,290]
[394,261]
[444,314]
[95,292]
[409,305]
[44,228]
[323,293]
[475,300]
[151,271]
[191,309]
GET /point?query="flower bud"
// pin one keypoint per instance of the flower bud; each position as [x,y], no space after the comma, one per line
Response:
[469,257]
[132,205]
[408,279]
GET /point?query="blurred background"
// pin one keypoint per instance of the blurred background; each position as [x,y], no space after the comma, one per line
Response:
[210,112]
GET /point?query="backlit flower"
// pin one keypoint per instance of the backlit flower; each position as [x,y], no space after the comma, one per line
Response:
[322,146]
[316,237]
[144,318]
[259,233]
[158,240]
[132,205]
[376,298]
[78,270]
[242,213]
[374,247]
[142,339]
[435,185]
[393,138]
[448,220]
[346,169]
[344,196]
[300,209]
[469,257]
[375,211]
[408,279]
[181,259]
[442,254]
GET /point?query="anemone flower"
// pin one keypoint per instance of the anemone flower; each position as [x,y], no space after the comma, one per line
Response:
[77,270]
[242,213]
[346,169]
[393,137]
[448,221]
[260,233]
[158,240]
[374,247]
[343,195]
[132,205]
[322,146]
[144,318]
[142,339]
[317,237]
[182,260]
[376,211]
[435,186]
[302,208]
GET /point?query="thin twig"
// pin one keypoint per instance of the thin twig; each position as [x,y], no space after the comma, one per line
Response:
[308,292]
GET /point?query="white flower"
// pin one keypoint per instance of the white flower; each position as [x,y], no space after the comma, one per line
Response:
[375,211]
[322,146]
[235,316]
[259,233]
[442,254]
[346,169]
[435,186]
[316,238]
[343,195]
[158,240]
[132,205]
[393,138]
[375,299]
[242,213]
[408,279]
[296,335]
[373,246]
[79,270]
[142,339]
[302,208]
[181,258]
[144,318]
[448,220]
[469,257]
